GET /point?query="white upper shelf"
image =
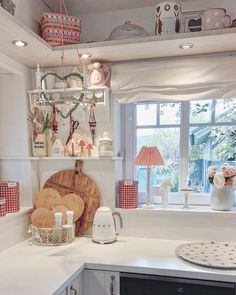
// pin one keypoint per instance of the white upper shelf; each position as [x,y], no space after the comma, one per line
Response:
[39,51]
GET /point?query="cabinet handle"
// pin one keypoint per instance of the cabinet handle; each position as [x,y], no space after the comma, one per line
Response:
[112,285]
[180,291]
[73,291]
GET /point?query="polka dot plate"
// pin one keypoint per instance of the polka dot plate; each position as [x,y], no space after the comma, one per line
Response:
[210,254]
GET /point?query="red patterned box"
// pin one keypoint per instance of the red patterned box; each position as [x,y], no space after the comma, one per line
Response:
[128,194]
[60,29]
[9,190]
[2,207]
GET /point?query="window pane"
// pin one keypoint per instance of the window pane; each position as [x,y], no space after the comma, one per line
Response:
[170,113]
[167,141]
[146,114]
[209,146]
[200,111]
[225,110]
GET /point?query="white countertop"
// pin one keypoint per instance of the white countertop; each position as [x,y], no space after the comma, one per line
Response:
[29,269]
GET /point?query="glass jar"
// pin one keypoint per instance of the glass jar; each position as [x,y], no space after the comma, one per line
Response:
[105,148]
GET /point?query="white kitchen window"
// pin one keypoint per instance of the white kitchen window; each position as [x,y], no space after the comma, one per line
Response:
[190,135]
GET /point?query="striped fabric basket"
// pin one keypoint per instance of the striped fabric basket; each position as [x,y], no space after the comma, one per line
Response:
[9,190]
[60,29]
[128,194]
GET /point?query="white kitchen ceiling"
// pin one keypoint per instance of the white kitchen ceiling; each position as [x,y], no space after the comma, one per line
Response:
[78,7]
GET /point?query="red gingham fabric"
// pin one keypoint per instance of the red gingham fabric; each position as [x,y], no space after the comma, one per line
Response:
[60,29]
[9,190]
[128,194]
[2,207]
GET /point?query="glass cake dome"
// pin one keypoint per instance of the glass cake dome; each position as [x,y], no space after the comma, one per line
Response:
[127,30]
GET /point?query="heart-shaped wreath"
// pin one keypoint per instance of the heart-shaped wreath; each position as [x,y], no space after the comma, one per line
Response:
[48,98]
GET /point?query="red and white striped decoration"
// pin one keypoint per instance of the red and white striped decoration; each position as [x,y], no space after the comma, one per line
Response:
[9,190]
[2,207]
[128,194]
[60,29]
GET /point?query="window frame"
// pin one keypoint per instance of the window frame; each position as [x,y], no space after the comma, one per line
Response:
[130,130]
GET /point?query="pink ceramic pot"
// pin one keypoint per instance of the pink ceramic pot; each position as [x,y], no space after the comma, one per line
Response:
[215,18]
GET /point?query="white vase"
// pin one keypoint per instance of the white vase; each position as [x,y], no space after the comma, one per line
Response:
[222,199]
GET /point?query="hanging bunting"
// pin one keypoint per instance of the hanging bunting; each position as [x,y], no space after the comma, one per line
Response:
[92,122]
[54,119]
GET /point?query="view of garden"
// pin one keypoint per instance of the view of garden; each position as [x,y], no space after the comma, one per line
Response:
[211,128]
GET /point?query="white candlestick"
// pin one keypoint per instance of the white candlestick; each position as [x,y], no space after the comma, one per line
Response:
[38,77]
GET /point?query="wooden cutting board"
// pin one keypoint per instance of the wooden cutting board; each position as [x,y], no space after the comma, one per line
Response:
[75,181]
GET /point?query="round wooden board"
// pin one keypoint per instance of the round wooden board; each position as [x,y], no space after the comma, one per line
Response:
[75,181]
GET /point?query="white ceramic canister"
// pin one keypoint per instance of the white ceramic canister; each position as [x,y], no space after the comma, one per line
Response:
[168,18]
[105,148]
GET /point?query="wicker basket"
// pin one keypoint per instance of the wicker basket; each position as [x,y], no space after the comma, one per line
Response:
[52,236]
[60,29]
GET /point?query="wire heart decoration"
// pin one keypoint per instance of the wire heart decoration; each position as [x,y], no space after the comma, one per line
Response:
[48,98]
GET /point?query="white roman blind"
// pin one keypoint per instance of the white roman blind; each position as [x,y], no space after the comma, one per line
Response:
[174,79]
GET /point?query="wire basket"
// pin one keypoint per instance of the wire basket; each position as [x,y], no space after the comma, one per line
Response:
[52,236]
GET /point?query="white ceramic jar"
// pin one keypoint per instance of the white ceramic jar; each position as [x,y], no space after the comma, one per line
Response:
[105,148]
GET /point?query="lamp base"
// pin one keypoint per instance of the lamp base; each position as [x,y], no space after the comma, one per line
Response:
[148,206]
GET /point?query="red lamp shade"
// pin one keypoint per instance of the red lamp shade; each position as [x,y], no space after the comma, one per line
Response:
[149,156]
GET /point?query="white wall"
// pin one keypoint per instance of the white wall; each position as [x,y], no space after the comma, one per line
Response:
[29,12]
[97,26]
[13,108]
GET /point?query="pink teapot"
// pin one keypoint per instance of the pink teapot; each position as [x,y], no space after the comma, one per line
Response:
[99,74]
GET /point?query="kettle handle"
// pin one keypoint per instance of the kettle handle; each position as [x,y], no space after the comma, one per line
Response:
[117,214]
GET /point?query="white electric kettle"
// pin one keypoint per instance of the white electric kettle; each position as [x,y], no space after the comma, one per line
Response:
[104,226]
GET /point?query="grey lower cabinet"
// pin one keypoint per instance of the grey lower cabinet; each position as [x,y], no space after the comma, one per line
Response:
[99,282]
[75,287]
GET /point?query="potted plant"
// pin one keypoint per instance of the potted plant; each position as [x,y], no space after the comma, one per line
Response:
[223,184]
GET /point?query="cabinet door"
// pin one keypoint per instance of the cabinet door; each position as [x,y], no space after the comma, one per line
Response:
[76,286]
[64,292]
[98,282]
[112,281]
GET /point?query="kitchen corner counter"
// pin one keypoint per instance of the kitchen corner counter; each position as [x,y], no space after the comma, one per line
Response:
[29,269]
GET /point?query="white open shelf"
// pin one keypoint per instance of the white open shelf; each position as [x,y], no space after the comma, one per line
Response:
[178,209]
[62,158]
[207,42]
[69,90]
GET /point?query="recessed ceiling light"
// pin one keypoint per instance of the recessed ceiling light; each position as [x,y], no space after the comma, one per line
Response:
[19,43]
[186,45]
[85,55]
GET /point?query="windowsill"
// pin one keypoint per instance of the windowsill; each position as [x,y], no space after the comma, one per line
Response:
[178,209]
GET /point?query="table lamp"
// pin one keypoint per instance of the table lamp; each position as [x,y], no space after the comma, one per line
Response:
[149,156]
